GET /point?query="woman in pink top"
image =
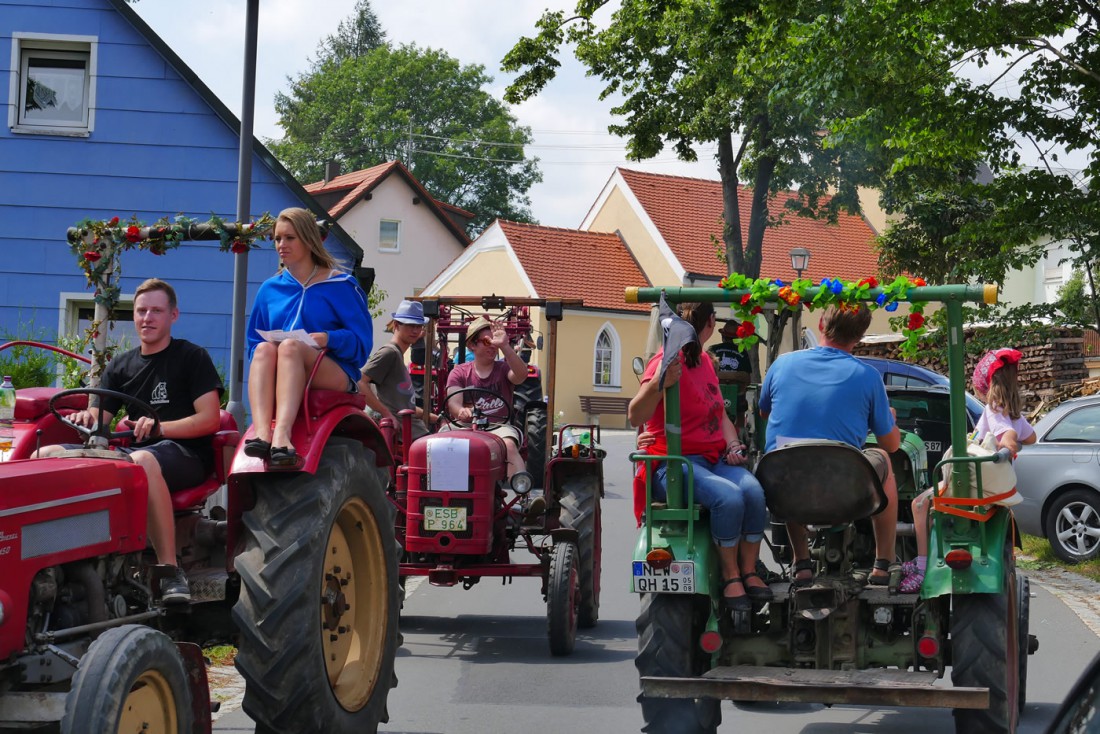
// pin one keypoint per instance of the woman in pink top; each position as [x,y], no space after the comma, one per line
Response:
[709,441]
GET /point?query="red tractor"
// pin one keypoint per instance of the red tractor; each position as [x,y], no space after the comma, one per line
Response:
[298,569]
[459,517]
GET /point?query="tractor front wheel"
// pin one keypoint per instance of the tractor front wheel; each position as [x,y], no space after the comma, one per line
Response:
[580,510]
[318,607]
[561,599]
[132,678]
[985,653]
[669,626]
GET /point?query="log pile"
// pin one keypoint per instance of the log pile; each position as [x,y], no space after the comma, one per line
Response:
[1050,370]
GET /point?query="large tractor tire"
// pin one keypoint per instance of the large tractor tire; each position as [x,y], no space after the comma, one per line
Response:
[668,632]
[985,653]
[318,607]
[561,599]
[580,510]
[536,444]
[1023,631]
[132,678]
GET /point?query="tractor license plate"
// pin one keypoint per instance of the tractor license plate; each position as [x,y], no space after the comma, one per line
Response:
[933,446]
[444,518]
[679,578]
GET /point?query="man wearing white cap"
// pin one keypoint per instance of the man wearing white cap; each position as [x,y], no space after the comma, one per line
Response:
[386,371]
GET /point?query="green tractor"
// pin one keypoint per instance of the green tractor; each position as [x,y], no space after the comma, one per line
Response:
[838,641]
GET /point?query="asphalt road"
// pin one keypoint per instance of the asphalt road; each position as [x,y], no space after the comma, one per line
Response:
[478,660]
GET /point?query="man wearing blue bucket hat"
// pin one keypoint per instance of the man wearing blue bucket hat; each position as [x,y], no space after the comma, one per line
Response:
[386,370]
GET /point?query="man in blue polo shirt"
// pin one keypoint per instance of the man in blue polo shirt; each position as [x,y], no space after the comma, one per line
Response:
[827,393]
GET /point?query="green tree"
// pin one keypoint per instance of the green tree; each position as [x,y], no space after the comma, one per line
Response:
[938,87]
[354,37]
[693,72]
[419,106]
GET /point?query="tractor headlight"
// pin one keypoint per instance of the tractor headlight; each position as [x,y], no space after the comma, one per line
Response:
[522,482]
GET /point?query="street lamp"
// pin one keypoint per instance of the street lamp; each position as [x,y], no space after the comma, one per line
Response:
[800,258]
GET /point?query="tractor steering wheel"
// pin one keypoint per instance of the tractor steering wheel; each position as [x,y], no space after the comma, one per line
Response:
[103,430]
[464,424]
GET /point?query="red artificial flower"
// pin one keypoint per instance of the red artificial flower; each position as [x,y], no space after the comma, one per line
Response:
[919,281]
[916,320]
[133,233]
[92,256]
[239,246]
[870,281]
[745,299]
[756,309]
[113,222]
[746,329]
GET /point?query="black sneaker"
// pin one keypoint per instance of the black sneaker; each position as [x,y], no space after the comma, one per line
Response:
[174,588]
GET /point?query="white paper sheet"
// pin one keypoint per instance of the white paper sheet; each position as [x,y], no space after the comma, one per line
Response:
[278,335]
[448,465]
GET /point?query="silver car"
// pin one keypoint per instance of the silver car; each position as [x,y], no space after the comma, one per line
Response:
[1059,478]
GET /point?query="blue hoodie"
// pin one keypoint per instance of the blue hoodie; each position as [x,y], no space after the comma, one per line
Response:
[336,306]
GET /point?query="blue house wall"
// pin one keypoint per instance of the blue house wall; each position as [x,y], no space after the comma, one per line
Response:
[161,145]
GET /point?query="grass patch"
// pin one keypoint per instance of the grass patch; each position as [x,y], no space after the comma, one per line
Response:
[1043,558]
[221,655]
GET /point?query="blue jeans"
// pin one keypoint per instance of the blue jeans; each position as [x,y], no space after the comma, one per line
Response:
[732,495]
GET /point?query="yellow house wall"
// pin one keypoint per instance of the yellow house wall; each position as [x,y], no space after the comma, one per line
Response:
[616,214]
[488,272]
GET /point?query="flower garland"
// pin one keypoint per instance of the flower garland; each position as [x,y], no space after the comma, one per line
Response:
[802,292]
[99,244]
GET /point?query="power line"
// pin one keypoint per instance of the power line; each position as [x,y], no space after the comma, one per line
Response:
[542,162]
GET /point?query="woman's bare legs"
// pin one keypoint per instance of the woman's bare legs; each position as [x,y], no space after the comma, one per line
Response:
[750,552]
[295,362]
[261,388]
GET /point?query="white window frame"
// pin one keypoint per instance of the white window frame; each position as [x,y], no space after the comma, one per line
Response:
[397,242]
[616,362]
[25,45]
[68,322]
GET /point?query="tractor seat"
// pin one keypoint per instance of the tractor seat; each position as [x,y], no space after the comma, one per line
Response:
[31,403]
[224,445]
[319,402]
[820,483]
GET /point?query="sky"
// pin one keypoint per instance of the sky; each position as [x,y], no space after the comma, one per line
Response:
[568,121]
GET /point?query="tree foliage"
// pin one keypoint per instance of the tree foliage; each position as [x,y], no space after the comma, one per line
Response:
[365,102]
[693,72]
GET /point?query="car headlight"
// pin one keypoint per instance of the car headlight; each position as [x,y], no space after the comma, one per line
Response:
[522,482]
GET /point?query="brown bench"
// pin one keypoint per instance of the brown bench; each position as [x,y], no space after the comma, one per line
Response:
[596,405]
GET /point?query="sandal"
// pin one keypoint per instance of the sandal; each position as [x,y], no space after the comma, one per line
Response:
[284,457]
[757,593]
[805,564]
[735,603]
[892,570]
[257,448]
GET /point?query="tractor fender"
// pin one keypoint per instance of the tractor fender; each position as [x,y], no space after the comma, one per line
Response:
[195,665]
[987,546]
[564,535]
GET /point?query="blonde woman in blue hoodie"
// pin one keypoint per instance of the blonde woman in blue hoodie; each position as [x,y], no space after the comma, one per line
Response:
[312,293]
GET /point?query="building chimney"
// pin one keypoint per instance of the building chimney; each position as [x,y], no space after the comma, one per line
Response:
[332,170]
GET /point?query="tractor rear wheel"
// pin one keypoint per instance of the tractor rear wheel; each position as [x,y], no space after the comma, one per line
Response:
[669,626]
[985,653]
[536,444]
[1023,631]
[580,510]
[131,679]
[561,599]
[318,607]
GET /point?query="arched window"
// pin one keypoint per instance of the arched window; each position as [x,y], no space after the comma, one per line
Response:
[606,358]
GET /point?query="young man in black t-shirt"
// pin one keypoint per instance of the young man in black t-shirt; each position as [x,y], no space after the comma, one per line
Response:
[177,379]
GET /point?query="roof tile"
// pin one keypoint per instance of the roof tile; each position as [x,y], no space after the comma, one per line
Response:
[688,214]
[570,263]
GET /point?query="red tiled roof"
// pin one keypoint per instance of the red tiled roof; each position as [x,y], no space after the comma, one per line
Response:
[688,214]
[357,184]
[570,263]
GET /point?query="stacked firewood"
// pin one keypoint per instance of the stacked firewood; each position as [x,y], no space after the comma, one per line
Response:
[1050,370]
